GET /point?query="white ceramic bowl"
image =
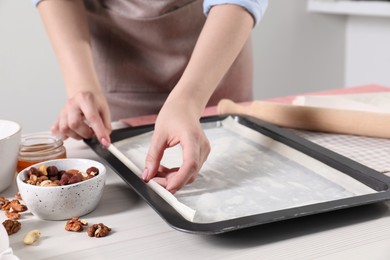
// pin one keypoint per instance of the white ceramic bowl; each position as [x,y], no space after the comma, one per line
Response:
[10,136]
[65,201]
[5,251]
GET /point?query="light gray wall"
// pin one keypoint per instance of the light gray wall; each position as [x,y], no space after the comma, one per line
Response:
[32,91]
[294,52]
[297,51]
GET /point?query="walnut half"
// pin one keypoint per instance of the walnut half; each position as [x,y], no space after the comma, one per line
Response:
[12,226]
[75,224]
[98,230]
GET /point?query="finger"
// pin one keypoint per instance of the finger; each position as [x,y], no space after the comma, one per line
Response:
[194,155]
[106,140]
[77,123]
[165,173]
[191,179]
[153,157]
[169,173]
[192,161]
[162,181]
[106,118]
[55,130]
[65,130]
[92,116]
[162,177]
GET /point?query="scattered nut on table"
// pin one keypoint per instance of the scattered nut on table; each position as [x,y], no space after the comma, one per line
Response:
[12,226]
[98,230]
[17,206]
[12,214]
[76,224]
[18,196]
[12,208]
[32,236]
[2,201]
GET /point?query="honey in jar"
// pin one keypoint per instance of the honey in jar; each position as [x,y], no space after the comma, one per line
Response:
[39,147]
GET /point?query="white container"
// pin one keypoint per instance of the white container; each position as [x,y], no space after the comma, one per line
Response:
[6,252]
[10,136]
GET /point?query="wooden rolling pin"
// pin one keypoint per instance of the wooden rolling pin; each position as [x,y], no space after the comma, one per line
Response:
[313,118]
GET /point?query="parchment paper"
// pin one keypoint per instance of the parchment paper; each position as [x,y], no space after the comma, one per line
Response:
[248,173]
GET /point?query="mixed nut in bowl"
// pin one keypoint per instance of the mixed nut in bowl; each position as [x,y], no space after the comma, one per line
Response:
[63,188]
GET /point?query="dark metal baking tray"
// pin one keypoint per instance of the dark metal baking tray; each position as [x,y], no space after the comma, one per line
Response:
[362,174]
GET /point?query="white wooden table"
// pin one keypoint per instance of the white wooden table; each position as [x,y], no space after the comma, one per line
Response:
[139,233]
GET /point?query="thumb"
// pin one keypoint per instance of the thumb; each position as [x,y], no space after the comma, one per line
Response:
[153,158]
[105,137]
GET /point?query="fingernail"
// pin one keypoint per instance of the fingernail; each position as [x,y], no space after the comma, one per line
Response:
[104,142]
[145,174]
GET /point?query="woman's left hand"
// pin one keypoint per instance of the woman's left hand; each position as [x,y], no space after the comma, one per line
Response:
[178,120]
[176,124]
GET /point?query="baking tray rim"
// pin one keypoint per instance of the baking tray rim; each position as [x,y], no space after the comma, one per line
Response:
[372,178]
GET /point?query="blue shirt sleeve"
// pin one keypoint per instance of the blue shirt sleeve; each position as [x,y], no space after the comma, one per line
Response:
[35,2]
[255,7]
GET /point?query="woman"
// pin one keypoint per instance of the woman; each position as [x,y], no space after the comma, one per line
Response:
[125,58]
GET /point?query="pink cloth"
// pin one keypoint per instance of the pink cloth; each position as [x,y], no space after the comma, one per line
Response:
[339,91]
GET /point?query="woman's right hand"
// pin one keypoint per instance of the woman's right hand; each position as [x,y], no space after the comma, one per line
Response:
[83,116]
[86,112]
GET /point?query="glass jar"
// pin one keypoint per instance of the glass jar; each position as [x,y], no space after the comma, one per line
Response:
[39,147]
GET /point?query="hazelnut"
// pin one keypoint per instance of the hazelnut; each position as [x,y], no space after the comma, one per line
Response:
[33,171]
[52,171]
[75,179]
[92,171]
[65,179]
